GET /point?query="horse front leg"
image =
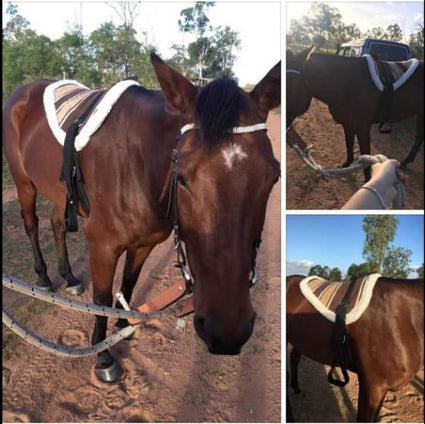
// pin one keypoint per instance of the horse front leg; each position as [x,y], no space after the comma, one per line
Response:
[363,136]
[371,398]
[103,261]
[349,143]
[134,260]
[73,285]
[295,358]
[418,141]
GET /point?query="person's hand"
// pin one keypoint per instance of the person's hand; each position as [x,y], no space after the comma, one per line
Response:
[380,190]
[384,177]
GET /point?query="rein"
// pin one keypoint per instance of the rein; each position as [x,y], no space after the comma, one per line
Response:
[172,209]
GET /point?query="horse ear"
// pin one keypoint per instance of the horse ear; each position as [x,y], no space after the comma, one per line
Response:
[305,54]
[267,92]
[179,92]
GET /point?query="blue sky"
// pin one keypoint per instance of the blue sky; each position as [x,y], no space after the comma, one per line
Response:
[337,241]
[368,14]
[259,26]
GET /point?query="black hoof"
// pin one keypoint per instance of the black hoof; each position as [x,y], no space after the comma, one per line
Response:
[123,323]
[109,374]
[75,290]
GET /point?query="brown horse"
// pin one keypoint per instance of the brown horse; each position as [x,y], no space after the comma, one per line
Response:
[223,182]
[386,342]
[344,84]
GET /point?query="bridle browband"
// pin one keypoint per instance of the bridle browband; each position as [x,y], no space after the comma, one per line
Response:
[172,210]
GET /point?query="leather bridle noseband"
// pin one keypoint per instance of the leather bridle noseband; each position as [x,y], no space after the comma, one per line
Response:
[172,209]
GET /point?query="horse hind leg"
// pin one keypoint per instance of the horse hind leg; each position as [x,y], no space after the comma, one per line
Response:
[418,142]
[27,195]
[371,398]
[73,285]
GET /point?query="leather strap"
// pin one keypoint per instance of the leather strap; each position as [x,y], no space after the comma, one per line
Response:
[339,340]
[71,172]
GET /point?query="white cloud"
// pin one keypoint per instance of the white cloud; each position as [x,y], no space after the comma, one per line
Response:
[298,266]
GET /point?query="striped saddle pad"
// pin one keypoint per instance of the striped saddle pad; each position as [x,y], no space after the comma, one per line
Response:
[390,73]
[66,100]
[325,295]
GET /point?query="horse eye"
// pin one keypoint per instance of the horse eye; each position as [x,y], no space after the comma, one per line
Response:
[181,181]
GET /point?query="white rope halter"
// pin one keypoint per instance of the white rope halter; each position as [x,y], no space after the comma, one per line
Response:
[235,130]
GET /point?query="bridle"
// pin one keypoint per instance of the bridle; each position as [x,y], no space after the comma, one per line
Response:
[172,209]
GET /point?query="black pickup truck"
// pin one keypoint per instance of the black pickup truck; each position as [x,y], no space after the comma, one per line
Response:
[391,51]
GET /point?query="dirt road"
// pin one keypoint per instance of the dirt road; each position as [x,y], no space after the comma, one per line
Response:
[305,190]
[169,375]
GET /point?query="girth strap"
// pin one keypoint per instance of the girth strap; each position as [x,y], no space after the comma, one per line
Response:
[385,103]
[339,341]
[71,173]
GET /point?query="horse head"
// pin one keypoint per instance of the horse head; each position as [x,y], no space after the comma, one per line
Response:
[223,180]
[297,95]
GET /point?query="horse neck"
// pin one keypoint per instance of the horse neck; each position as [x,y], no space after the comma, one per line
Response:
[327,77]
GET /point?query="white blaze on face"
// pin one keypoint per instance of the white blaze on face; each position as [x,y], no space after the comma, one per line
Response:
[233,153]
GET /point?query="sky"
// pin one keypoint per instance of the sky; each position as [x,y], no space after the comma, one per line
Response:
[337,241]
[258,25]
[367,14]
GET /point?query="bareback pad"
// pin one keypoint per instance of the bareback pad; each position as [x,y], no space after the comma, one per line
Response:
[325,296]
[390,74]
[66,100]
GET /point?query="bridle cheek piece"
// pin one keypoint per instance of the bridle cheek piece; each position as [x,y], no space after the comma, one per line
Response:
[172,210]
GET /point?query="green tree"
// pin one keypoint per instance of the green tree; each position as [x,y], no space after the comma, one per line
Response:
[420,271]
[376,32]
[358,271]
[396,262]
[320,271]
[75,57]
[16,23]
[322,23]
[416,42]
[394,32]
[211,54]
[335,274]
[380,231]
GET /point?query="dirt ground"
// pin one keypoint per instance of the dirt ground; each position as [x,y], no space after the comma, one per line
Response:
[306,190]
[169,375]
[322,402]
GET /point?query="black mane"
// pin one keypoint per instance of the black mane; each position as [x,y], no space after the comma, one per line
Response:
[217,110]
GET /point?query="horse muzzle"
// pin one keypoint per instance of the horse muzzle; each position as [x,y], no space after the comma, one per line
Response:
[217,344]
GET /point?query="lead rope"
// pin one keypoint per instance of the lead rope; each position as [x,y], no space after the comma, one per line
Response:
[364,161]
[20,330]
